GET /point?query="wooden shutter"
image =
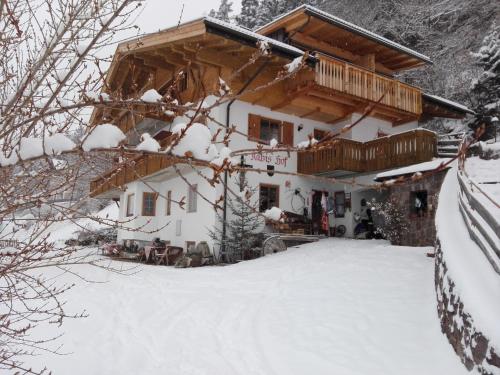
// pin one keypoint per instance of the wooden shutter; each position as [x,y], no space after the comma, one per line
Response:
[287,135]
[253,127]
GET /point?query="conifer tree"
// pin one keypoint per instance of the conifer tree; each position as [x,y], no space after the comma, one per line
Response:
[241,228]
[248,16]
[486,89]
[269,10]
[224,12]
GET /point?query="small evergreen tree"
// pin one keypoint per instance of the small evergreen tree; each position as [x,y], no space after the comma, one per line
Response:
[240,229]
[486,89]
[248,17]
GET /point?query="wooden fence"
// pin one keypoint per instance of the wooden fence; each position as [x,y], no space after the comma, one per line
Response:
[350,79]
[394,151]
[483,227]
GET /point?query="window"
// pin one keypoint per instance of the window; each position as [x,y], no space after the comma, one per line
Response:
[178,228]
[149,204]
[319,134]
[130,207]
[418,202]
[192,198]
[339,204]
[270,129]
[268,197]
[168,205]
[263,130]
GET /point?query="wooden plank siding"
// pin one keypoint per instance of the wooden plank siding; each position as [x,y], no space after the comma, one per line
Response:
[394,151]
[359,82]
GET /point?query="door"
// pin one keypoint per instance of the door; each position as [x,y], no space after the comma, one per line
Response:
[317,211]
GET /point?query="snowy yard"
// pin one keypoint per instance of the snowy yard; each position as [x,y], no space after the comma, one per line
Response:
[334,307]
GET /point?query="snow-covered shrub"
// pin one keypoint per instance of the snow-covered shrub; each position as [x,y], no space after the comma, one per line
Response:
[391,220]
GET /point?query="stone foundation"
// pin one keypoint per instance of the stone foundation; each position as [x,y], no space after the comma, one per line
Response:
[473,348]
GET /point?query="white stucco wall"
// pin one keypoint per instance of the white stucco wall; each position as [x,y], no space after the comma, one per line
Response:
[194,226]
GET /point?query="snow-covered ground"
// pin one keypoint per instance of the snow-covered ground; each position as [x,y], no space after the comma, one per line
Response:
[333,307]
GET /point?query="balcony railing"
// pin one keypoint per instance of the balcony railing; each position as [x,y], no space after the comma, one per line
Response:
[134,169]
[353,80]
[394,151]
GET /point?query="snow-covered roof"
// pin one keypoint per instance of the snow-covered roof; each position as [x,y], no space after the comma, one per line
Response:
[411,169]
[449,103]
[351,27]
[254,37]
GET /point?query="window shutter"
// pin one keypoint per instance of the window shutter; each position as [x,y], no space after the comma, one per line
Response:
[253,127]
[287,135]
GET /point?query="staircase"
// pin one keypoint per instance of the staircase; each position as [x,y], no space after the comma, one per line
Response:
[448,144]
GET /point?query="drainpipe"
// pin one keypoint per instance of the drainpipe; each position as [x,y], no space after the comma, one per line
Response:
[228,118]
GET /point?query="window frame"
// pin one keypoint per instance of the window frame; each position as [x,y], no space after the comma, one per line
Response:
[154,197]
[269,186]
[271,121]
[130,212]
[192,198]
[317,132]
[425,203]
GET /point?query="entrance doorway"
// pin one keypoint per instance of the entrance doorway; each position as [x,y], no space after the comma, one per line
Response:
[317,212]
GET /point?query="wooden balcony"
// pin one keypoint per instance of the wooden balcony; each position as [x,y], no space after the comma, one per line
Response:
[363,83]
[110,184]
[394,151]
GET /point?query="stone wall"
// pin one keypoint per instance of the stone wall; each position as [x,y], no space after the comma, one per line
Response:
[421,229]
[471,345]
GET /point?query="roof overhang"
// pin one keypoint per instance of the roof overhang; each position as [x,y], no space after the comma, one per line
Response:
[299,20]
[436,106]
[144,51]
[410,170]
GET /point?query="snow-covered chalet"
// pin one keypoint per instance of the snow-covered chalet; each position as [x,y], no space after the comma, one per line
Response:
[348,69]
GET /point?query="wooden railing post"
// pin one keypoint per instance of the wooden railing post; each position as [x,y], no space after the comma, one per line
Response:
[346,78]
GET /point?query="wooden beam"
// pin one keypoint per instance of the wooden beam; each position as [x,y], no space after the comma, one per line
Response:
[309,113]
[338,120]
[215,57]
[402,121]
[313,27]
[156,61]
[338,98]
[172,57]
[329,49]
[323,105]
[290,96]
[190,30]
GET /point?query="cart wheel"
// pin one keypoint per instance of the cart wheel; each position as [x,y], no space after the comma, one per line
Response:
[273,245]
